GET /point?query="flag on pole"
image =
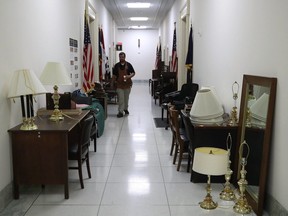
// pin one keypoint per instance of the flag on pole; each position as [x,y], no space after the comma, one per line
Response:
[174,61]
[158,56]
[189,57]
[102,55]
[88,68]
[156,61]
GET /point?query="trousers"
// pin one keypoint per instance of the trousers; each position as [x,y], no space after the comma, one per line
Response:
[123,99]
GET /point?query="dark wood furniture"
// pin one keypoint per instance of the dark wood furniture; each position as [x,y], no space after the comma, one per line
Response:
[41,156]
[78,149]
[213,136]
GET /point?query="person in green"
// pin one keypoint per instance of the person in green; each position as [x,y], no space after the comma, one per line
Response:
[123,71]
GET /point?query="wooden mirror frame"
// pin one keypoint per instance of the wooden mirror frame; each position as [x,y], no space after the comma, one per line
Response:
[257,205]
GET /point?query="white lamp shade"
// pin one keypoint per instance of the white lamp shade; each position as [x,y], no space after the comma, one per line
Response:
[259,109]
[55,73]
[210,161]
[213,89]
[206,106]
[25,82]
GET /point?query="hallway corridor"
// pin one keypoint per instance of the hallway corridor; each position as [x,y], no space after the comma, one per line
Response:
[132,174]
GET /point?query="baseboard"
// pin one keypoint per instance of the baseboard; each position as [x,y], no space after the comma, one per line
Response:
[273,207]
[6,196]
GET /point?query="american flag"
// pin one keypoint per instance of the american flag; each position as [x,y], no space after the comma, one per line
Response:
[88,68]
[157,58]
[102,55]
[174,62]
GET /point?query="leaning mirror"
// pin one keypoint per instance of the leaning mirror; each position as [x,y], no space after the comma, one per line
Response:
[255,127]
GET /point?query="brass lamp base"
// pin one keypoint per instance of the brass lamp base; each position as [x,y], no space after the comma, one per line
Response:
[28,124]
[242,206]
[227,194]
[57,115]
[208,203]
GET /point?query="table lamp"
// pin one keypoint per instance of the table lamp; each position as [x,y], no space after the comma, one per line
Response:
[206,108]
[227,193]
[210,161]
[241,205]
[55,73]
[25,83]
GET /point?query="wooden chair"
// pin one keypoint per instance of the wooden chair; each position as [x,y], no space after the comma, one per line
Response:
[189,128]
[181,141]
[94,130]
[79,147]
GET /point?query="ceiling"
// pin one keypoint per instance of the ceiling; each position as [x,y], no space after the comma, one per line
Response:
[121,13]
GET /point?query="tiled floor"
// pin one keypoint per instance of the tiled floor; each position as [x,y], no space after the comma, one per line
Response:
[132,174]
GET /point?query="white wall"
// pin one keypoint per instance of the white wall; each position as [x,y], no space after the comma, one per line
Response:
[142,58]
[32,33]
[251,37]
[232,38]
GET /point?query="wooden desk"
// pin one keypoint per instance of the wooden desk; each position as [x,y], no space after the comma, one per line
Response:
[213,136]
[41,156]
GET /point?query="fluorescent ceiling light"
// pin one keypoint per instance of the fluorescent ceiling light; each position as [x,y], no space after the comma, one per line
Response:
[138,5]
[138,27]
[138,18]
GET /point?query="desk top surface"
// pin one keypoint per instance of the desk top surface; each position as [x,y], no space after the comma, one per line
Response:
[45,124]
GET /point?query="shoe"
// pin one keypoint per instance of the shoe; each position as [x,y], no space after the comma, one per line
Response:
[126,112]
[119,115]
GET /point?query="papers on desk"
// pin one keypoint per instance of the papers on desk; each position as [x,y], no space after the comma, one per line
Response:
[44,111]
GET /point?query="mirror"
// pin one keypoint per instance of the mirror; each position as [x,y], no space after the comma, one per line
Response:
[255,127]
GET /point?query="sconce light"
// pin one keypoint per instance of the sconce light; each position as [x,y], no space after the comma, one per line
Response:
[206,108]
[55,74]
[25,83]
[241,206]
[210,161]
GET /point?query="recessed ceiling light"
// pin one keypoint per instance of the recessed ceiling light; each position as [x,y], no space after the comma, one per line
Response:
[137,27]
[138,18]
[138,5]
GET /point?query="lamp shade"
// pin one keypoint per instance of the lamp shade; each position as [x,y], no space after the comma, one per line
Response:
[206,106]
[25,82]
[259,109]
[210,161]
[55,73]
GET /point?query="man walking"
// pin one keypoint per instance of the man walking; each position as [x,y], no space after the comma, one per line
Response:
[123,71]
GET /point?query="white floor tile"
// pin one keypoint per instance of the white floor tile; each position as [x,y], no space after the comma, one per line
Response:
[135,174]
[143,193]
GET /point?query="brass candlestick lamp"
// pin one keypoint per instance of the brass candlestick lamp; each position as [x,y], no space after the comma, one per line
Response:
[242,206]
[227,193]
[55,74]
[234,118]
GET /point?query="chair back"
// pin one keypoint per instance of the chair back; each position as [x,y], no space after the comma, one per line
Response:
[189,128]
[189,90]
[86,126]
[174,115]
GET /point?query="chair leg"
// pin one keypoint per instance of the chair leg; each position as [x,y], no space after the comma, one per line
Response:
[162,113]
[88,165]
[189,161]
[95,143]
[80,173]
[175,154]
[179,159]
[172,146]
